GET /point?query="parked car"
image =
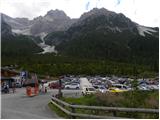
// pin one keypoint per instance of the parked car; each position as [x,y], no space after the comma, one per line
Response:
[72,86]
[102,89]
[96,87]
[120,86]
[88,90]
[46,85]
[18,85]
[114,89]
[153,87]
[55,85]
[143,88]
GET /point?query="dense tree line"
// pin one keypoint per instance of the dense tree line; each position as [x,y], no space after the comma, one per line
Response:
[48,64]
[18,45]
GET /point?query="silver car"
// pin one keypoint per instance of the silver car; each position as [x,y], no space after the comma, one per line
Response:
[72,86]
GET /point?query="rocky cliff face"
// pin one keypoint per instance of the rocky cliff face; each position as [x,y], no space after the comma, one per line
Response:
[99,33]
[5,28]
[54,20]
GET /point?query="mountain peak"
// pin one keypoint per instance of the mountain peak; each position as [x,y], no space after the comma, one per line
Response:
[99,10]
[96,12]
[56,13]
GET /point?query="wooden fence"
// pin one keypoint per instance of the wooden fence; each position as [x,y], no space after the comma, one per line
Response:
[72,110]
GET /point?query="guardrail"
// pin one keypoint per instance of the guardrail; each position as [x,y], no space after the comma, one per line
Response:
[61,105]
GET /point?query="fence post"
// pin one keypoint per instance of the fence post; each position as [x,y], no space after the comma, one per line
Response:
[114,113]
[73,111]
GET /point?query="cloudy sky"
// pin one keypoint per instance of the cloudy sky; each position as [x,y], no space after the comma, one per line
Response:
[144,12]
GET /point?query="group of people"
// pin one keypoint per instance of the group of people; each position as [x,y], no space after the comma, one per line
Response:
[5,88]
[42,88]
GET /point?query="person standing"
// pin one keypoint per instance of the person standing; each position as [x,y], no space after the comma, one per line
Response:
[7,88]
[13,87]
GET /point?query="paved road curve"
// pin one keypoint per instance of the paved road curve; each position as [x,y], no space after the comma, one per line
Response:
[19,106]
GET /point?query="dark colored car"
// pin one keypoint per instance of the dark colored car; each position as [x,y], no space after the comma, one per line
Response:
[55,85]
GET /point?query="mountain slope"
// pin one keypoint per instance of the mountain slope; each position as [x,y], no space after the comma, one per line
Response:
[54,20]
[104,34]
[12,44]
[98,33]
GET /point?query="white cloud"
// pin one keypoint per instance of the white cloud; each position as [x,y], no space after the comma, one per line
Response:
[144,12]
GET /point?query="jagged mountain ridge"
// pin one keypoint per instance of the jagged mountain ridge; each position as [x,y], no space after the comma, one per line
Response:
[100,33]
[112,22]
[54,20]
[104,34]
[110,19]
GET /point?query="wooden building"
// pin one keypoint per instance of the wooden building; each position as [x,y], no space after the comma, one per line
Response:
[6,76]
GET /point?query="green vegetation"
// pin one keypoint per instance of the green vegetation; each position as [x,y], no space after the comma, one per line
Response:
[57,110]
[84,51]
[132,99]
[18,46]
[92,39]
[135,99]
[49,64]
[55,38]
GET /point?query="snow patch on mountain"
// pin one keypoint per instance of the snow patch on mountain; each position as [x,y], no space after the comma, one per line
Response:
[142,30]
[42,35]
[46,48]
[49,49]
[12,21]
[23,32]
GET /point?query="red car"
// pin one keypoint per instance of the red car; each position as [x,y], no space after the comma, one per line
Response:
[55,85]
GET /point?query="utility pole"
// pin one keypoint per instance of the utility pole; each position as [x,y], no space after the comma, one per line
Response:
[60,87]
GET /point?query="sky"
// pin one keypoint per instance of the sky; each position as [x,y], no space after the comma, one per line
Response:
[144,12]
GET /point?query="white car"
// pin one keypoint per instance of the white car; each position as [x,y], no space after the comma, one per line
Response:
[88,90]
[72,86]
[47,84]
[102,89]
[143,88]
[153,87]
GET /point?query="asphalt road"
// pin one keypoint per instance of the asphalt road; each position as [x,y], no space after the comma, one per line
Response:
[19,106]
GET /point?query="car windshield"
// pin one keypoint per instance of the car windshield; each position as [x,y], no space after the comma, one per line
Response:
[102,88]
[91,89]
[125,87]
[74,84]
[96,87]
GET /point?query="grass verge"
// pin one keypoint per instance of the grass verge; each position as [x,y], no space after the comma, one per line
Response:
[131,99]
[57,111]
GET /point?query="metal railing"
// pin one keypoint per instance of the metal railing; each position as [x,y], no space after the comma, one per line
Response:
[72,112]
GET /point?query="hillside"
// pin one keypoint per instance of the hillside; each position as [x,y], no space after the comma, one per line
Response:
[107,35]
[20,45]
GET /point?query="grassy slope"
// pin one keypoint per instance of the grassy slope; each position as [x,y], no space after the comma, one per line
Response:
[134,99]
